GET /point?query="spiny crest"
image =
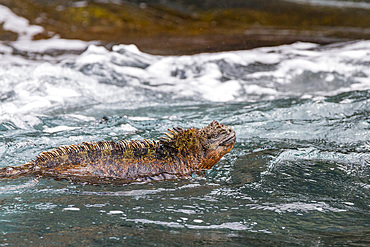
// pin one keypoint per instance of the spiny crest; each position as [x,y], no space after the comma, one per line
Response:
[97,146]
[185,141]
[178,136]
[171,136]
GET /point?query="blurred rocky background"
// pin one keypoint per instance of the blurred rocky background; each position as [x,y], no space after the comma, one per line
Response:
[191,26]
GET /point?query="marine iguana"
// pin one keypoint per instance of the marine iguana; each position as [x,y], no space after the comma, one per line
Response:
[179,153]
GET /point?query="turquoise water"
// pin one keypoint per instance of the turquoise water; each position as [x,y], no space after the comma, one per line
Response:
[298,174]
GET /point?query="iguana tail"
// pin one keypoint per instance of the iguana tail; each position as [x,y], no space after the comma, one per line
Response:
[17,171]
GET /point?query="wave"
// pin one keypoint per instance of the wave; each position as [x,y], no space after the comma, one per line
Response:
[63,81]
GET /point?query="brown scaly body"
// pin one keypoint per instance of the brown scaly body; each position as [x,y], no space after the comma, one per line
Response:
[180,153]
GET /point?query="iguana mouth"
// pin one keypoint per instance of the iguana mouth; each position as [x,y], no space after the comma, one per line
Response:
[228,140]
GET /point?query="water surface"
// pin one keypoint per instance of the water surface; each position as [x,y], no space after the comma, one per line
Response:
[298,174]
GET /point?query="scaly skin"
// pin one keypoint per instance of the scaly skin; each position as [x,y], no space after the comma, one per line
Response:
[178,154]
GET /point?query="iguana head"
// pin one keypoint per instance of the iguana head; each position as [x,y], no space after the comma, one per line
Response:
[217,140]
[204,147]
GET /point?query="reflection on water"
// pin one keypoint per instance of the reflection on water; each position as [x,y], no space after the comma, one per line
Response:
[298,175]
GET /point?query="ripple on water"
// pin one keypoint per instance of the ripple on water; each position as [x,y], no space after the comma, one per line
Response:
[298,174]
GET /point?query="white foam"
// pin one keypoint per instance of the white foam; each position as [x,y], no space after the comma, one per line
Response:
[255,89]
[58,129]
[335,3]
[26,32]
[54,43]
[141,118]
[198,221]
[5,49]
[100,76]
[71,209]
[228,225]
[17,24]
[131,48]
[296,207]
[128,128]
[115,212]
